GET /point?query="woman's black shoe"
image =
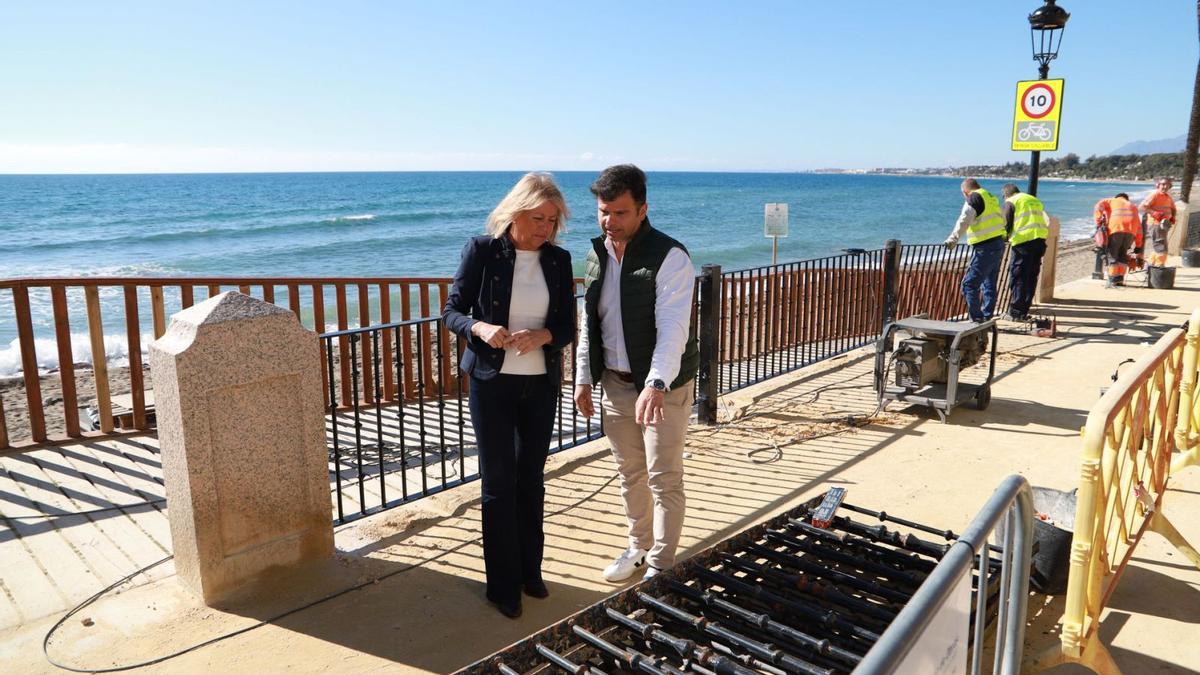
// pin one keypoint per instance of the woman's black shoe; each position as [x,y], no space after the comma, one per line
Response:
[512,611]
[536,589]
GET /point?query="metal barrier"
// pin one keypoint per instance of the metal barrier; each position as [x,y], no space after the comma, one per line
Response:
[1127,450]
[386,453]
[1011,507]
[785,596]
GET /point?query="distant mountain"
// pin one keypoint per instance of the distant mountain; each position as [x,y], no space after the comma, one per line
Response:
[1151,147]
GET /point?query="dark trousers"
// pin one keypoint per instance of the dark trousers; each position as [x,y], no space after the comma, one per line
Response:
[1023,272]
[980,279]
[513,416]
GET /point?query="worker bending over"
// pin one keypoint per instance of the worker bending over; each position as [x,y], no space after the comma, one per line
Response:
[1120,218]
[980,219]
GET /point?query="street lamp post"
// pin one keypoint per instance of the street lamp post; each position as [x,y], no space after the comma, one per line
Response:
[1046,25]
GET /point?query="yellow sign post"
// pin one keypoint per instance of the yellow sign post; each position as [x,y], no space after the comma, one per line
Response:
[1037,114]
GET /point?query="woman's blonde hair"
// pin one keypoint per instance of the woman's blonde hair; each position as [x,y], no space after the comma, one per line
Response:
[533,190]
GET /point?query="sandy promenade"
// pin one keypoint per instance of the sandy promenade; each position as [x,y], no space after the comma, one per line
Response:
[427,613]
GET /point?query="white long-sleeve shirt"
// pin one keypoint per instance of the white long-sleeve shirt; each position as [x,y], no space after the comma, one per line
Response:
[672,319]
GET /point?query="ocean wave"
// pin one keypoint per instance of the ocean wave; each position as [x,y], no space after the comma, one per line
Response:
[342,219]
[116,352]
[245,230]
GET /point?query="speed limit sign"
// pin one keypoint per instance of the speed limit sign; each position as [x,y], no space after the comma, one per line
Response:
[1038,101]
[1036,115]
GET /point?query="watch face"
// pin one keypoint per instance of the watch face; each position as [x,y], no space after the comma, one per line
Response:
[658,384]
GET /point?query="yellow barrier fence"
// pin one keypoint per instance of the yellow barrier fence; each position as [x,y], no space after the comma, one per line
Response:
[1187,423]
[1127,450]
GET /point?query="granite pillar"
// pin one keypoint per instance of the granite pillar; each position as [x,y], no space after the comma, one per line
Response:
[242,434]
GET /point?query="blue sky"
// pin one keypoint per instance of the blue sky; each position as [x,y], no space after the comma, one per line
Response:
[699,86]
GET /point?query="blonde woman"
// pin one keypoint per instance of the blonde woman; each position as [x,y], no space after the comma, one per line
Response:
[513,302]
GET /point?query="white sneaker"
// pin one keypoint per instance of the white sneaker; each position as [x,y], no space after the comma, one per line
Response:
[651,572]
[625,565]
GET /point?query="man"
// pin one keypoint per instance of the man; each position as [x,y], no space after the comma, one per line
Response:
[1158,214]
[636,339]
[1120,217]
[984,226]
[1027,227]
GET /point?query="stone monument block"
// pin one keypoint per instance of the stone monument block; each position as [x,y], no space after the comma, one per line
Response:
[242,433]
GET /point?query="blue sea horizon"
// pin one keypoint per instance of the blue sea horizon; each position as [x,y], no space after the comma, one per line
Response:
[415,223]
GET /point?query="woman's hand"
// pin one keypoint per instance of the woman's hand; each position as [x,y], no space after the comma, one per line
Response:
[495,336]
[525,341]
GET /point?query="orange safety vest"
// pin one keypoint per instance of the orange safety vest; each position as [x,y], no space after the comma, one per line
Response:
[1159,207]
[1122,215]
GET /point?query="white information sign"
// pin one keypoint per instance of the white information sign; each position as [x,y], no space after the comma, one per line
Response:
[775,223]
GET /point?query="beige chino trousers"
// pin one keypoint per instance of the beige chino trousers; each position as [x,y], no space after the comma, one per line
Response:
[650,461]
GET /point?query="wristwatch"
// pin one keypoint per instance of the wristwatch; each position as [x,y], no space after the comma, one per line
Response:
[657,384]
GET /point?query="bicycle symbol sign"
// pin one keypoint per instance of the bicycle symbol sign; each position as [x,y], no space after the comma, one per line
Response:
[1036,115]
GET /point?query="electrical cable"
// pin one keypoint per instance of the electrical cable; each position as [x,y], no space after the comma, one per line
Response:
[116,669]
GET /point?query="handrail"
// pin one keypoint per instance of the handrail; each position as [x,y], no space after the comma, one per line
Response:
[1012,501]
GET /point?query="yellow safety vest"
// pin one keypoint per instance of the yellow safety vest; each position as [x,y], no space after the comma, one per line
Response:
[1029,219]
[989,224]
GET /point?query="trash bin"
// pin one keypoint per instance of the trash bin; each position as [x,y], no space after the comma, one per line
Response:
[1160,277]
[1053,530]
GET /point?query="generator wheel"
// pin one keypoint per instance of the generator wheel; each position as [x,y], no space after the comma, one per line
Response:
[983,397]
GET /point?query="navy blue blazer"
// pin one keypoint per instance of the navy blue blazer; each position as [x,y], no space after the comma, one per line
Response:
[482,291]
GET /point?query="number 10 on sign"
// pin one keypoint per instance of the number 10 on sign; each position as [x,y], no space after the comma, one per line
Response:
[775,225]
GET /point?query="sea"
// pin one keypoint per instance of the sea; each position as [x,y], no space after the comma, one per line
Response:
[415,224]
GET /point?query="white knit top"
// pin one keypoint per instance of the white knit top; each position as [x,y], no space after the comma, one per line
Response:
[526,311]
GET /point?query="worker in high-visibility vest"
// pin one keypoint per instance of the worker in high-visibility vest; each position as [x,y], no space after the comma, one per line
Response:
[983,224]
[1158,214]
[1120,217]
[1027,226]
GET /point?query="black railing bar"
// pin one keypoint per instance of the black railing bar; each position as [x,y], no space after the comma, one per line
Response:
[333,407]
[354,372]
[378,413]
[440,357]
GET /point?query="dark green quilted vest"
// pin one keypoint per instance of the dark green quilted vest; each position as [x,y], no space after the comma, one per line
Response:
[639,269]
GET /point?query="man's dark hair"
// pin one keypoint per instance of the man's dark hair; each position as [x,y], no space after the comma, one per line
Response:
[1009,189]
[616,180]
[1122,195]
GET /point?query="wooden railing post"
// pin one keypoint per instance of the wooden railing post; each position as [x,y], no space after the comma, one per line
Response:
[99,358]
[709,337]
[133,338]
[29,364]
[66,360]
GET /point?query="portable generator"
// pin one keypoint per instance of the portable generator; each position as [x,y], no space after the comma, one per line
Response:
[925,366]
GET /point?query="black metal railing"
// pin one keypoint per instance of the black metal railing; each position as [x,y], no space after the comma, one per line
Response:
[931,281]
[753,324]
[773,319]
[383,454]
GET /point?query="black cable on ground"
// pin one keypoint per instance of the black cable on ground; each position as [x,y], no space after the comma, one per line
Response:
[337,594]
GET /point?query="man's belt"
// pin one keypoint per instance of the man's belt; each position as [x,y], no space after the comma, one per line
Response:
[624,377]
